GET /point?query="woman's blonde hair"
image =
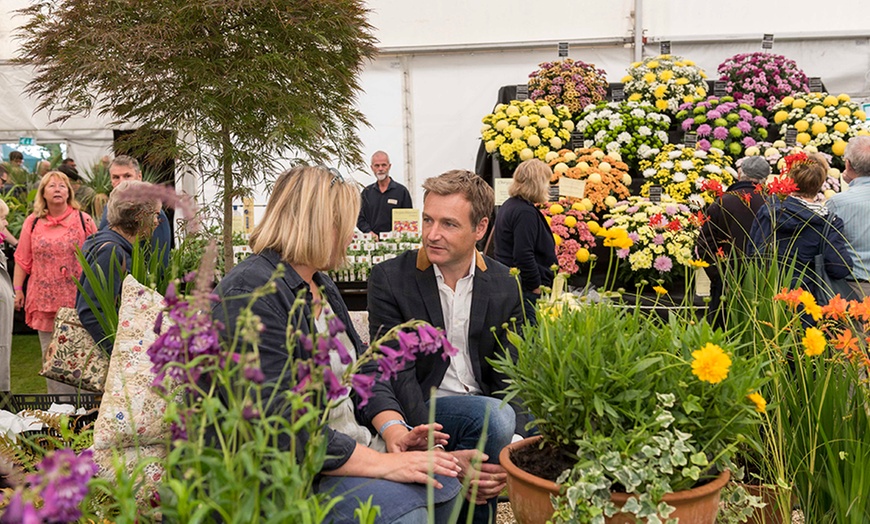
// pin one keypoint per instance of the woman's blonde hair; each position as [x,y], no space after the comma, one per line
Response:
[531,181]
[310,215]
[40,207]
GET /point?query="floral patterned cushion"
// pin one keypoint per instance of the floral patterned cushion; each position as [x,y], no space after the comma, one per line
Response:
[73,357]
[131,412]
[129,458]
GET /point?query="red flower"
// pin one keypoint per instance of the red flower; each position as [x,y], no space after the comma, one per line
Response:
[720,253]
[747,198]
[782,186]
[713,186]
[794,159]
[759,188]
[656,220]
[674,225]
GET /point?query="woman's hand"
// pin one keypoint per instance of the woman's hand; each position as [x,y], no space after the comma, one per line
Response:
[416,466]
[19,299]
[418,439]
[490,479]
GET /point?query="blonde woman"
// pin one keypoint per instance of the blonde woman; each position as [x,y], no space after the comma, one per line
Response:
[47,253]
[522,237]
[307,227]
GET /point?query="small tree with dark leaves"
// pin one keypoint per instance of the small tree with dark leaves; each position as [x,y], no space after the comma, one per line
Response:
[242,82]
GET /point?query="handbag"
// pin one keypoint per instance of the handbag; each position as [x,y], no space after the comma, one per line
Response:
[72,356]
[827,288]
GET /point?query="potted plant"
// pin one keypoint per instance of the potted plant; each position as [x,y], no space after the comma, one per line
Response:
[636,414]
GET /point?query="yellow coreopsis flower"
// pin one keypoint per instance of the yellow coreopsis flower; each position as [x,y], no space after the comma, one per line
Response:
[711,363]
[810,307]
[698,263]
[758,400]
[814,342]
[660,290]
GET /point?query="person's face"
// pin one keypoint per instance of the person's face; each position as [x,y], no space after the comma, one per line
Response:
[72,164]
[3,221]
[120,173]
[381,166]
[18,162]
[56,191]
[4,177]
[448,235]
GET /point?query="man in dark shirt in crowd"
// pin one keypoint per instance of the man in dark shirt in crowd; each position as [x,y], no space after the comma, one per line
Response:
[729,219]
[380,198]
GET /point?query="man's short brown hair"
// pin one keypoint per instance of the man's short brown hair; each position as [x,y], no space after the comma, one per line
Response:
[467,184]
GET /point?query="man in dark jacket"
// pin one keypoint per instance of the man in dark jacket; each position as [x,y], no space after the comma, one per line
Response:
[724,235]
[452,286]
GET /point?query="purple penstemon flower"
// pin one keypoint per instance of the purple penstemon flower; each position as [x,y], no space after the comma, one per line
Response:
[334,389]
[362,385]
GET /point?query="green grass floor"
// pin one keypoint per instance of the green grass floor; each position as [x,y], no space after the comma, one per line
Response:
[25,365]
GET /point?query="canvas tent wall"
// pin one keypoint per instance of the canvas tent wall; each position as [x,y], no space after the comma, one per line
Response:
[442,63]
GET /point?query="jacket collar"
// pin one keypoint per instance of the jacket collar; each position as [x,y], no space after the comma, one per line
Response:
[423,262]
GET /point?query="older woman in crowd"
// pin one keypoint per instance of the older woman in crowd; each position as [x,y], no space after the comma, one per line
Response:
[522,237]
[47,253]
[131,218]
[306,229]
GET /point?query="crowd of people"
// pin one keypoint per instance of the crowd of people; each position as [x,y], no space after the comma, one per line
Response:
[379,448]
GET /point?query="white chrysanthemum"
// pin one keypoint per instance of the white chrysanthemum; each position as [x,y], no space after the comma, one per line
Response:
[644,131]
[588,143]
[643,150]
[700,153]
[648,172]
[599,136]
[623,137]
[688,165]
[713,168]
[612,146]
[696,201]
[731,171]
[661,135]
[667,164]
[676,153]
[679,176]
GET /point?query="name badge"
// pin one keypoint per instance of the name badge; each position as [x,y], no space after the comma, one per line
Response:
[392,201]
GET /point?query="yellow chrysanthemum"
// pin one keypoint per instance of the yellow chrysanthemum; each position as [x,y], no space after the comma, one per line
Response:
[649,78]
[652,64]
[660,290]
[582,255]
[803,138]
[787,101]
[634,97]
[830,100]
[860,115]
[661,105]
[758,400]
[711,363]
[838,147]
[666,75]
[682,81]
[698,263]
[780,116]
[801,126]
[659,92]
[819,128]
[843,97]
[799,103]
[814,342]
[844,111]
[570,221]
[841,127]
[593,226]
[626,79]
[556,209]
[819,111]
[557,239]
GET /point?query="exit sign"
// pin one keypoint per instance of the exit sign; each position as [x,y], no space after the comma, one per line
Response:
[866,108]
[26,141]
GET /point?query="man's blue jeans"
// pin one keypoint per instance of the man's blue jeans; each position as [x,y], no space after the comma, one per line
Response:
[464,418]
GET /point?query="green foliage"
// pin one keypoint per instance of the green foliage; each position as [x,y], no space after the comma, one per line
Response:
[615,387]
[248,79]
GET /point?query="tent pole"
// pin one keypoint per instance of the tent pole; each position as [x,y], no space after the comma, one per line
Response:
[638,30]
[408,127]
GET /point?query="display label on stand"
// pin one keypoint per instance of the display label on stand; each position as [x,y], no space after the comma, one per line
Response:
[563,49]
[571,187]
[576,139]
[655,193]
[617,94]
[665,47]
[719,88]
[815,84]
[406,221]
[690,139]
[791,137]
[767,41]
[554,192]
[501,190]
[522,91]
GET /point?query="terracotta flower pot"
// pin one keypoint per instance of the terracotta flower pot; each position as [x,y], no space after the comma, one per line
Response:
[530,495]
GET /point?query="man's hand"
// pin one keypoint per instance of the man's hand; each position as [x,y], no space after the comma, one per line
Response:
[418,439]
[414,466]
[486,480]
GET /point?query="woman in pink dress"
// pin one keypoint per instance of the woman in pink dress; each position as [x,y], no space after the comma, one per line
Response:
[47,252]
